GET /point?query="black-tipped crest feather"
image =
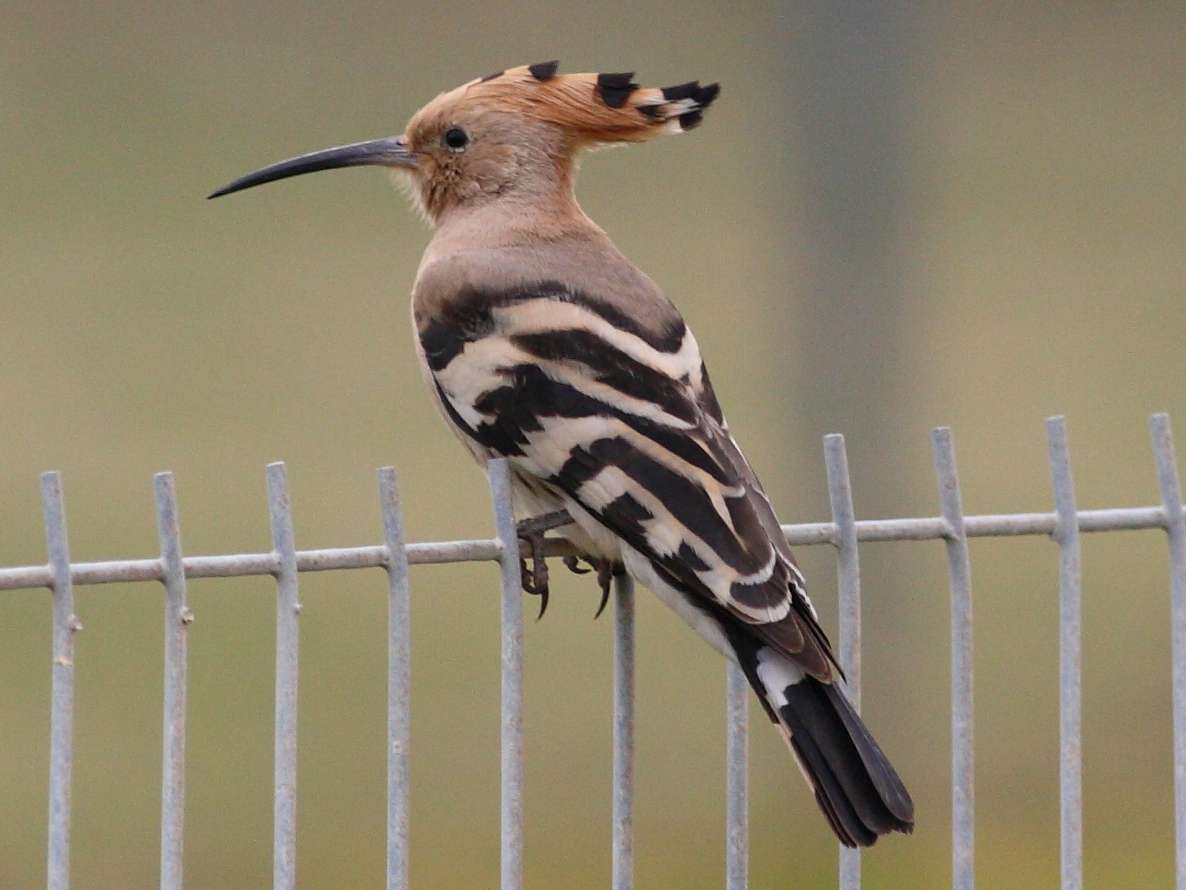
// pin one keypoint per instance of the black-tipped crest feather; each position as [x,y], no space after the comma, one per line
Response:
[615,89]
[544,70]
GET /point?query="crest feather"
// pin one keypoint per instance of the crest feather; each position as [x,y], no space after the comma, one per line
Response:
[596,108]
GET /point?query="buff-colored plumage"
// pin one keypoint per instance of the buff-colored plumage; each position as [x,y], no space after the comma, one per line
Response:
[541,343]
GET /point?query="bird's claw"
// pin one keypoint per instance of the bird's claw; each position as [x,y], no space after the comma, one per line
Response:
[606,572]
[573,564]
[531,532]
[535,579]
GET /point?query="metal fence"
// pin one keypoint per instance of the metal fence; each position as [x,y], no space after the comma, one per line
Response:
[394,555]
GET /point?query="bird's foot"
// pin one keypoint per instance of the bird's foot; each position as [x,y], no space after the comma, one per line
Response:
[531,532]
[606,570]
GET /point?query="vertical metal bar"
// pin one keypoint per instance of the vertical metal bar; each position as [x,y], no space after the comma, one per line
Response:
[959,574]
[736,778]
[623,805]
[1175,523]
[399,680]
[177,620]
[1070,700]
[848,575]
[61,732]
[512,678]
[288,609]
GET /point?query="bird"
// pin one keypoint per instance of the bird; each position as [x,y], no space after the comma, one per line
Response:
[541,343]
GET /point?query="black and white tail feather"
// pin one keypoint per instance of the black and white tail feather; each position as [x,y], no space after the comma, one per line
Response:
[854,783]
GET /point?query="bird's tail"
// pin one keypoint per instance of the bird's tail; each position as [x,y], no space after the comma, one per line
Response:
[854,783]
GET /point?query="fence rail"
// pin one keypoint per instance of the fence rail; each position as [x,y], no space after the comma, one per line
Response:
[285,563]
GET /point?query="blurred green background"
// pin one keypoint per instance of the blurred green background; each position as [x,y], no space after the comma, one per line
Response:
[894,218]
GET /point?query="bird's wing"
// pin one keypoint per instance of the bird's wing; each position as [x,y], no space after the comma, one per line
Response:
[625,423]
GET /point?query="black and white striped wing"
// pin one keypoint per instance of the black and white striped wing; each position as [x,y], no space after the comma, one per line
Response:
[624,422]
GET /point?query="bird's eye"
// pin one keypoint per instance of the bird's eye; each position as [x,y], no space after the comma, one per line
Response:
[455,139]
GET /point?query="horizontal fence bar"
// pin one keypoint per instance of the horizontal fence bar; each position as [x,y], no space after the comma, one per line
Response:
[374,556]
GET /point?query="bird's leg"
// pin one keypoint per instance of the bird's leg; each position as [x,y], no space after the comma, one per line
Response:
[537,525]
[531,532]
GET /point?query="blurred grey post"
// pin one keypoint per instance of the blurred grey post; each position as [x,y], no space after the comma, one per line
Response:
[61,716]
[848,577]
[623,803]
[1175,525]
[512,677]
[959,574]
[736,778]
[177,620]
[1070,667]
[848,77]
[399,680]
[288,609]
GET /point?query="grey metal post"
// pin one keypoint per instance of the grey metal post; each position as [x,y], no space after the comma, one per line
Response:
[1175,525]
[1070,700]
[288,609]
[960,580]
[623,801]
[399,680]
[512,677]
[177,620]
[736,778]
[61,719]
[848,576]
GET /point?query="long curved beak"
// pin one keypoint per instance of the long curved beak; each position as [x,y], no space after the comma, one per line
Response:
[389,152]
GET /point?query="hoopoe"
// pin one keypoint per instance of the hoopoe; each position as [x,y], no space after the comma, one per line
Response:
[540,342]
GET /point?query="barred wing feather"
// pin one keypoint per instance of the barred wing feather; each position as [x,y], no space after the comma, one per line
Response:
[624,423]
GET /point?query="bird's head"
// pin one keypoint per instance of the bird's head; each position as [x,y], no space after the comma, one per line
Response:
[510,136]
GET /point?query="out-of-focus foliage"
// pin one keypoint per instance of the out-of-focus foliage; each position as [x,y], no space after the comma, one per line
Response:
[1037,223]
